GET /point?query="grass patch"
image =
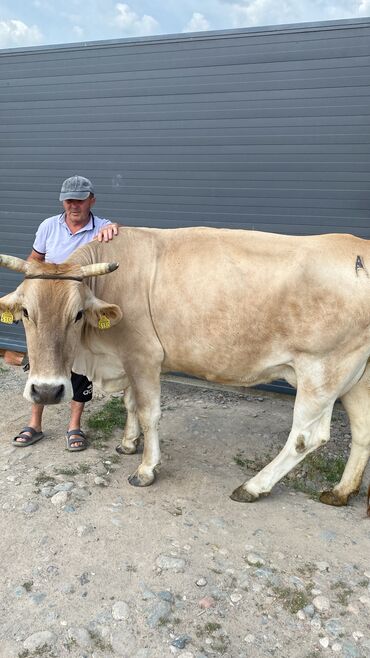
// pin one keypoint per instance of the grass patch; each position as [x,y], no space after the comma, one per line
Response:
[42,478]
[114,459]
[112,415]
[316,472]
[99,642]
[251,464]
[343,592]
[320,466]
[69,471]
[291,599]
[43,652]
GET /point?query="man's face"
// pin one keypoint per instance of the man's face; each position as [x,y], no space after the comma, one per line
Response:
[77,211]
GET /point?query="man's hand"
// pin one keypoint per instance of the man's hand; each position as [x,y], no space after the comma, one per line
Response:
[107,233]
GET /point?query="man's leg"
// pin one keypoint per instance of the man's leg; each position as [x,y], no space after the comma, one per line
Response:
[35,424]
[82,392]
[75,422]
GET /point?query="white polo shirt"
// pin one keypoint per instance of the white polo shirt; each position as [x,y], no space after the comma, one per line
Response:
[56,242]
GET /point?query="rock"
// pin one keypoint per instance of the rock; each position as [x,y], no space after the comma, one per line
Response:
[235,597]
[334,627]
[160,612]
[167,562]
[63,486]
[83,530]
[365,600]
[59,499]
[120,611]
[249,638]
[30,507]
[38,640]
[350,650]
[81,637]
[181,641]
[101,482]
[201,582]
[321,603]
[207,602]
[255,560]
[166,595]
[309,610]
[324,641]
[37,597]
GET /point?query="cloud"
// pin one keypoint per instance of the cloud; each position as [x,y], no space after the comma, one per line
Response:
[197,23]
[364,8]
[245,13]
[78,31]
[131,23]
[14,33]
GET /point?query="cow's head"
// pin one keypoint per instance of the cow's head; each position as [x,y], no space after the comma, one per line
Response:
[54,305]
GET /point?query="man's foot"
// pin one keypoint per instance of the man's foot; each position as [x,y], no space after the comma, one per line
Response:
[76,440]
[27,437]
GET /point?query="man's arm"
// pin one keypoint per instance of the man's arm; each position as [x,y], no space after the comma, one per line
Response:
[35,255]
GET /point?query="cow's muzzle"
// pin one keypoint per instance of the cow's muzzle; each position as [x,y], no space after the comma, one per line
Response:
[47,393]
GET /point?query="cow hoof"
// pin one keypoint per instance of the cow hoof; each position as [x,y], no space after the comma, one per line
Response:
[126,449]
[331,498]
[241,495]
[137,480]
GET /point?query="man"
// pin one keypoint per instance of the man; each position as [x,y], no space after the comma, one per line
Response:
[57,238]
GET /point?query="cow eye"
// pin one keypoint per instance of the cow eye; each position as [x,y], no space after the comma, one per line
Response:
[79,316]
[25,312]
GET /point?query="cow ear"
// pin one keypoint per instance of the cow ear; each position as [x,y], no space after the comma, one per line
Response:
[11,307]
[102,315]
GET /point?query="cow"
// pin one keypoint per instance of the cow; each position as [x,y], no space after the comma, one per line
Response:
[232,306]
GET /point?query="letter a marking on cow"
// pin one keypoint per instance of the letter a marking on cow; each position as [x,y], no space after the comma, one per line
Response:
[360,266]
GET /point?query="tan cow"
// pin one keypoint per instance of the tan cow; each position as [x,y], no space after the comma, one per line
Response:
[231,306]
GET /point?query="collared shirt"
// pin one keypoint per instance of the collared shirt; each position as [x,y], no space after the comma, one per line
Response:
[55,240]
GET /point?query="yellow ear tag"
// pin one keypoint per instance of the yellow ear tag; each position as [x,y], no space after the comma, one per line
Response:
[7,317]
[104,322]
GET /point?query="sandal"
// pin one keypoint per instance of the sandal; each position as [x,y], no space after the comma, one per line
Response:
[76,436]
[30,440]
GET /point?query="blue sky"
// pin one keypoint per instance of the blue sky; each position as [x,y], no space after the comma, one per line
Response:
[41,22]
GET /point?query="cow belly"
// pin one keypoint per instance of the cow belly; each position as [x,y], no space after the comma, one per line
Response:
[237,371]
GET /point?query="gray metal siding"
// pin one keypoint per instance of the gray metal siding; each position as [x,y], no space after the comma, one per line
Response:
[265,128]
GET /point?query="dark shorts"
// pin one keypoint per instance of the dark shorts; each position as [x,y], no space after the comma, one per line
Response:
[82,388]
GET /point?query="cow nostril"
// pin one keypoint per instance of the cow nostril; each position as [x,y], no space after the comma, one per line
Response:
[59,392]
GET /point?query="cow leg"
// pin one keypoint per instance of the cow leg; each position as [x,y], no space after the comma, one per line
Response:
[131,432]
[311,428]
[357,405]
[147,394]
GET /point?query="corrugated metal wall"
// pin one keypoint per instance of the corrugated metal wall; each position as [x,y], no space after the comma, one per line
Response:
[264,128]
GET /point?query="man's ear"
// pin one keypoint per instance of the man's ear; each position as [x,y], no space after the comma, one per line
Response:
[11,307]
[100,314]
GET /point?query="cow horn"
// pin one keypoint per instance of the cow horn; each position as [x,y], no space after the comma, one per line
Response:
[13,263]
[98,268]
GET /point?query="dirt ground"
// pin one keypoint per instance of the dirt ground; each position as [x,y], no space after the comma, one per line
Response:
[92,567]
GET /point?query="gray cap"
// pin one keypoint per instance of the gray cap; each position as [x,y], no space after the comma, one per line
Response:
[76,187]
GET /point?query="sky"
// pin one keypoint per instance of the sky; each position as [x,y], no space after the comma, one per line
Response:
[45,22]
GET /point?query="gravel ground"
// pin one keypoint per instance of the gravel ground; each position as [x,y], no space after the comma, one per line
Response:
[94,568]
